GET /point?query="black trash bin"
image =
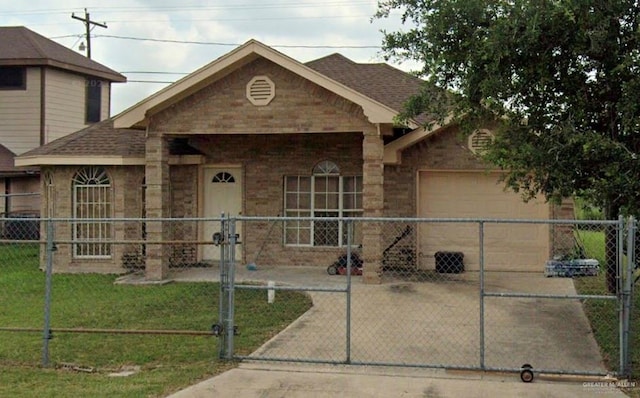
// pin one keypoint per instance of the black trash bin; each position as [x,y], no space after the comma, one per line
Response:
[449,262]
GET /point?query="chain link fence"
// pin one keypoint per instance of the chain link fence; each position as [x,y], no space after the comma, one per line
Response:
[449,293]
[83,287]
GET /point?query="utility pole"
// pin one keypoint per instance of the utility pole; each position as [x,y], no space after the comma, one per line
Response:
[87,23]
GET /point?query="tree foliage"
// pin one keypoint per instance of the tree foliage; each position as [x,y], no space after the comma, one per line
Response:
[561,77]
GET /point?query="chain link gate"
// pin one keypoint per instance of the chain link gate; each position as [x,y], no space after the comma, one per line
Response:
[225,328]
[419,318]
[569,340]
[329,341]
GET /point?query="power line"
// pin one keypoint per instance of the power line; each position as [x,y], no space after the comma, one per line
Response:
[216,43]
[133,72]
[150,81]
[240,19]
[231,44]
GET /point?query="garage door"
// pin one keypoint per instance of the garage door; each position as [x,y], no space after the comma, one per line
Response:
[516,247]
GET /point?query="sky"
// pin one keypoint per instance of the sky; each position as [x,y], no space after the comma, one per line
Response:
[149,35]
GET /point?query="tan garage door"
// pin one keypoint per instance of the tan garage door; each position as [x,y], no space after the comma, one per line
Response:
[517,247]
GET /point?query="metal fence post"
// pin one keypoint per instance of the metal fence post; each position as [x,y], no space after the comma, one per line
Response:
[230,327]
[224,283]
[481,255]
[46,333]
[620,292]
[349,267]
[625,365]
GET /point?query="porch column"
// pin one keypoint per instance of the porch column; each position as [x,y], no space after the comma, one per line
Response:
[157,205]
[373,204]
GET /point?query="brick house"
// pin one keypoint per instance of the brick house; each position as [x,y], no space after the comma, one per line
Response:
[46,92]
[259,134]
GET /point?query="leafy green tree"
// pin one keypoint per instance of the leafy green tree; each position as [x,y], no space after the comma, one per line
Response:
[560,79]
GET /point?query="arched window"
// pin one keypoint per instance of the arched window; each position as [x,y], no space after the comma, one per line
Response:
[92,204]
[326,167]
[223,177]
[325,193]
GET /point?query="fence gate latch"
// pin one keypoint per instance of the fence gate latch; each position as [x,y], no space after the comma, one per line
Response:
[217,329]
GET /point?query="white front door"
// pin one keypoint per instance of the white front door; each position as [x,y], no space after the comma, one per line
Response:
[222,193]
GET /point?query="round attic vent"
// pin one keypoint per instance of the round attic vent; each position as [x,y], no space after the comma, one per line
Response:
[479,140]
[261,90]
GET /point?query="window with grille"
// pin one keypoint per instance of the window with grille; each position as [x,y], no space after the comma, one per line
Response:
[92,204]
[325,193]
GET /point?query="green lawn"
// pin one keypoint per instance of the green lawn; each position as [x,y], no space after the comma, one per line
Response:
[167,363]
[603,315]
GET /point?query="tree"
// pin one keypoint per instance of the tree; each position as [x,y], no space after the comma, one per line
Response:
[562,78]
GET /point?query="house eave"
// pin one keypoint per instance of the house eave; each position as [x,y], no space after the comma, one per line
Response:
[113,77]
[85,160]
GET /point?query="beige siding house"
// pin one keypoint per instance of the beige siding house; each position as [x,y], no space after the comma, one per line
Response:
[46,92]
[256,128]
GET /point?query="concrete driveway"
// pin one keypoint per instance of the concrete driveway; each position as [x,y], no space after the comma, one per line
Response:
[427,322]
[433,322]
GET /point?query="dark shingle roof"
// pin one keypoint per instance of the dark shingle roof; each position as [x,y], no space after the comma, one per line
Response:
[381,82]
[21,46]
[99,139]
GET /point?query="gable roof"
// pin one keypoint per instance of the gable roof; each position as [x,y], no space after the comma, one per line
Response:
[99,143]
[340,79]
[20,46]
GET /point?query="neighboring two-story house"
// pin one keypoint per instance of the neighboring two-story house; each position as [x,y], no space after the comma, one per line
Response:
[46,92]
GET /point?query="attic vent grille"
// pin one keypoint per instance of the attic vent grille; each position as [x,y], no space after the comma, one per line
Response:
[261,90]
[480,140]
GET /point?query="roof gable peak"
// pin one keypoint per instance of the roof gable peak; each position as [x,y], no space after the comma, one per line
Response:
[137,115]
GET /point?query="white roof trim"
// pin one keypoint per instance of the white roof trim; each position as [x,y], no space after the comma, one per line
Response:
[61,160]
[136,115]
[393,150]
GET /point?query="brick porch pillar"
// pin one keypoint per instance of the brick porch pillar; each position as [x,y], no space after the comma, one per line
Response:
[157,205]
[373,204]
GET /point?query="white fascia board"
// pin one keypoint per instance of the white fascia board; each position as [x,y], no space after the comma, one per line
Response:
[50,160]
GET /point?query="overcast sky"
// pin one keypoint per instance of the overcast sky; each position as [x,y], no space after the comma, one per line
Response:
[302,29]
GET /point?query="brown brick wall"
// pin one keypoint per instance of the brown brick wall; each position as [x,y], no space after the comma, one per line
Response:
[298,106]
[266,160]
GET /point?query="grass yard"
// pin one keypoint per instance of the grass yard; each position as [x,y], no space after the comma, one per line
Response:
[603,315]
[167,363]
